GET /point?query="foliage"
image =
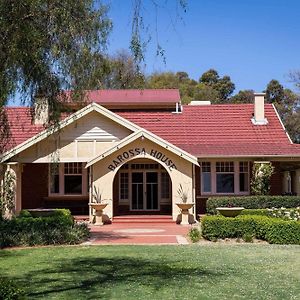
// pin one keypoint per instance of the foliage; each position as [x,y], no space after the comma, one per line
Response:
[257,212]
[10,290]
[58,228]
[182,194]
[273,230]
[243,96]
[194,234]
[224,86]
[261,175]
[7,193]
[47,46]
[284,213]
[252,202]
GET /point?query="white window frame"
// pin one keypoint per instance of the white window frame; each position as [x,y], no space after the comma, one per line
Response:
[61,173]
[213,174]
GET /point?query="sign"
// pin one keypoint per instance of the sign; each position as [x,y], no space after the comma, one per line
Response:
[130,153]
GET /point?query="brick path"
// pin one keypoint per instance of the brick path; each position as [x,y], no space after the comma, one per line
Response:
[139,230]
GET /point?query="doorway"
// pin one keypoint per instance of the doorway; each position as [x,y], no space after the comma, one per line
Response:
[144,190]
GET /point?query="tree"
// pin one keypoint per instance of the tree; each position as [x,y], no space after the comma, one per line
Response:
[49,45]
[122,72]
[243,96]
[170,80]
[274,92]
[224,86]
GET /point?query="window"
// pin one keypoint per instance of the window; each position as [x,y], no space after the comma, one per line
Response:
[206,177]
[124,186]
[244,176]
[73,178]
[225,177]
[165,185]
[67,179]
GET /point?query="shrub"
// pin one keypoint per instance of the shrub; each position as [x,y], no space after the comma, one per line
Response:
[252,202]
[58,228]
[9,290]
[256,212]
[285,213]
[273,230]
[194,234]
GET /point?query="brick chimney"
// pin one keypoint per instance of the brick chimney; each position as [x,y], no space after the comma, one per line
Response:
[259,110]
[41,111]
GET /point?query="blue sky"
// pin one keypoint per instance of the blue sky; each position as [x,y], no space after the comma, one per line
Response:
[253,41]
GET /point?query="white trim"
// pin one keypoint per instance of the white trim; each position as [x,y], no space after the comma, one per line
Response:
[69,120]
[145,134]
[277,114]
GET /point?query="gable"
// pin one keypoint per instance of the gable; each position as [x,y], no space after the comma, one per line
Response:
[93,125]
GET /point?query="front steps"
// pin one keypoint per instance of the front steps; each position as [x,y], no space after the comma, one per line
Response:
[143,219]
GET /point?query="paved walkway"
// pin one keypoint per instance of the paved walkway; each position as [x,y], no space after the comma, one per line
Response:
[138,233]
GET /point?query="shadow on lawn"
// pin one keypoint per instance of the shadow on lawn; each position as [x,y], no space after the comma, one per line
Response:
[93,277]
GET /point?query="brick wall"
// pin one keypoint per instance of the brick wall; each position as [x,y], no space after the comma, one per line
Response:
[34,185]
[276,180]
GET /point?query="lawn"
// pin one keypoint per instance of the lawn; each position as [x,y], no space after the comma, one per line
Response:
[215,271]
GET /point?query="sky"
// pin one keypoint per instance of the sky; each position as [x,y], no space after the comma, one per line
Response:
[252,41]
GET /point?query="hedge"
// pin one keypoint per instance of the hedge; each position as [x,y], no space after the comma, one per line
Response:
[272,230]
[256,212]
[25,230]
[252,202]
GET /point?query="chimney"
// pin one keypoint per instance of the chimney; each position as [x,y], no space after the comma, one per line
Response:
[259,110]
[41,111]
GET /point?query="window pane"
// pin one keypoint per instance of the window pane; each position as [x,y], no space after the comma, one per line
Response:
[73,184]
[124,186]
[165,185]
[244,182]
[225,183]
[206,181]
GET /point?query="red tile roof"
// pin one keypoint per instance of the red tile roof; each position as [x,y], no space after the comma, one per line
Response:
[211,130]
[133,97]
[20,125]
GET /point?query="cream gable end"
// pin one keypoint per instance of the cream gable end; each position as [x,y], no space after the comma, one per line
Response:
[79,138]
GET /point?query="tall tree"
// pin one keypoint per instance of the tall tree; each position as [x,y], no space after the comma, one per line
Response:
[243,96]
[223,85]
[49,45]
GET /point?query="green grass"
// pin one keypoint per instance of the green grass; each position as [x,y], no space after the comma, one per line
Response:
[156,272]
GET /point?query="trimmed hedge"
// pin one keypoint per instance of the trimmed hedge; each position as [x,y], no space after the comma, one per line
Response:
[272,230]
[25,230]
[256,212]
[252,202]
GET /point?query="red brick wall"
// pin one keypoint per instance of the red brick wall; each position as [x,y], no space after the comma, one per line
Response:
[34,185]
[276,180]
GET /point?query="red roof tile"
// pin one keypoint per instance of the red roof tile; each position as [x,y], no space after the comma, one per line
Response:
[20,125]
[218,130]
[127,97]
[211,130]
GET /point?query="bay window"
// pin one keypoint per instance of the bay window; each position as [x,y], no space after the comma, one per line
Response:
[225,177]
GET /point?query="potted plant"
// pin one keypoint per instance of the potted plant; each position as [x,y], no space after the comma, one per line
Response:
[184,206]
[98,206]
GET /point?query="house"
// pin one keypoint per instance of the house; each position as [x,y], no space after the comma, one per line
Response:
[136,148]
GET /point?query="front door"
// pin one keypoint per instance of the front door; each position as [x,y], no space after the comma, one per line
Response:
[144,190]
